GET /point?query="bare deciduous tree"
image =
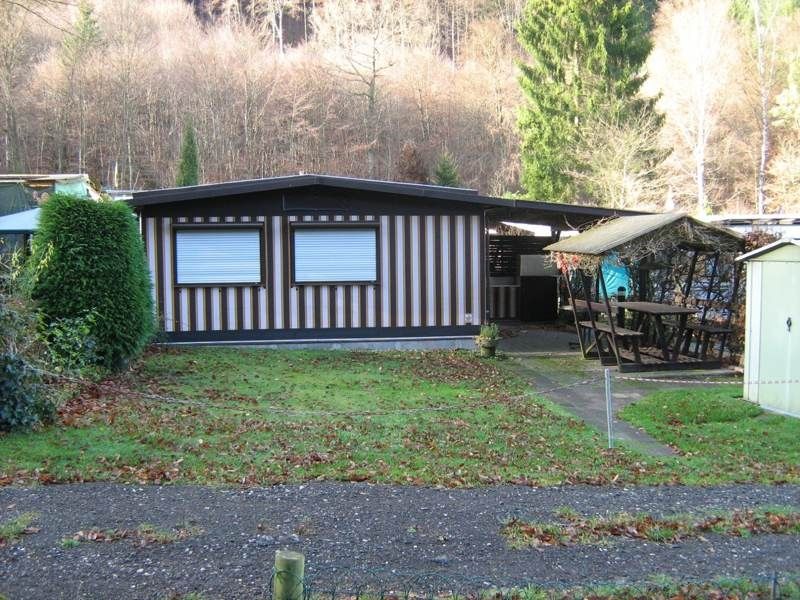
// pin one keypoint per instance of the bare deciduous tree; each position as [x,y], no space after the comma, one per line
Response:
[622,164]
[692,67]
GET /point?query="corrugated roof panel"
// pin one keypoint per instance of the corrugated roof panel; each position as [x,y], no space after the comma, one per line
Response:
[610,235]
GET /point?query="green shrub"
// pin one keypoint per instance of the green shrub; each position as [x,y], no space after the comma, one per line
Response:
[88,258]
[69,342]
[21,403]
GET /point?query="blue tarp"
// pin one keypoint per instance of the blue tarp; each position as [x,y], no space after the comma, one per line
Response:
[616,276]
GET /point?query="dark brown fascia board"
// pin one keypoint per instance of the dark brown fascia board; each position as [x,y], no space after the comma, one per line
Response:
[214,190]
[558,208]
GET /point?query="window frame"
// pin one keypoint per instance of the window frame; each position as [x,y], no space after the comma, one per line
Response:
[295,225]
[216,227]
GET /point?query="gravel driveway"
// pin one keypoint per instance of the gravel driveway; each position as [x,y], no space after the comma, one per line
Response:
[351,531]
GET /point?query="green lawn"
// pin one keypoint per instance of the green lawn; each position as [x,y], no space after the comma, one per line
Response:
[492,432]
[264,416]
[720,435]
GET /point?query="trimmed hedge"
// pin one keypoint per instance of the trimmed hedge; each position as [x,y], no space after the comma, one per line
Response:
[88,257]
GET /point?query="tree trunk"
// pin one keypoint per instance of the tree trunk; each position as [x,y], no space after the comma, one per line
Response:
[763,90]
[700,173]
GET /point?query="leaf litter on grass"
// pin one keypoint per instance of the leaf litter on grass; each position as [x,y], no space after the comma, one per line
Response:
[578,530]
[144,535]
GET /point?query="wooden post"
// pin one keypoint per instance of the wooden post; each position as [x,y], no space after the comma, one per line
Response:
[687,288]
[601,280]
[620,310]
[288,574]
[587,293]
[572,299]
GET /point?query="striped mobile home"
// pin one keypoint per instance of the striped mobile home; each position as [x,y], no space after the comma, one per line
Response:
[317,259]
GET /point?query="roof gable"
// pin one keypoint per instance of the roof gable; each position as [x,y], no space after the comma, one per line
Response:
[216,190]
[758,252]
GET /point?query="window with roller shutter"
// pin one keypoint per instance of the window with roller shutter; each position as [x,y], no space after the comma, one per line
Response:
[222,256]
[335,254]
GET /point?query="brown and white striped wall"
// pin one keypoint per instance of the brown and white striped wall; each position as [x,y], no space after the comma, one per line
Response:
[431,283]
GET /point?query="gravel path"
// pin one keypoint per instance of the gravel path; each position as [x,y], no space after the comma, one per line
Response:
[350,531]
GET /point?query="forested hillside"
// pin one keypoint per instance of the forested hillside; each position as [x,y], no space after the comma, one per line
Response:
[345,87]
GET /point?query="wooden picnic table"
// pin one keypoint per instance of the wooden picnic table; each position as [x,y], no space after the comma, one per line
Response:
[655,311]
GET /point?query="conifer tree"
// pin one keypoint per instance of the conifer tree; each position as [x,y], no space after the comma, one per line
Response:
[586,58]
[85,36]
[446,172]
[189,166]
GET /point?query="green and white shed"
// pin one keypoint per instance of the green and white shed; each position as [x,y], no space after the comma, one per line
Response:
[772,337]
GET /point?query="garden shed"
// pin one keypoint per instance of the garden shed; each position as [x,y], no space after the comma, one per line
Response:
[772,338]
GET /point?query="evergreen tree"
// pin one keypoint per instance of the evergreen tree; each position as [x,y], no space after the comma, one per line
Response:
[84,36]
[189,166]
[410,166]
[586,59]
[446,172]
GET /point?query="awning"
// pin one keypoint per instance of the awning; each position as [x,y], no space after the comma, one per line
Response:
[22,222]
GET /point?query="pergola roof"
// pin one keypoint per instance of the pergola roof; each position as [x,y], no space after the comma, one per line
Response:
[610,236]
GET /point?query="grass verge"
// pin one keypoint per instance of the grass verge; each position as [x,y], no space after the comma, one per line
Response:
[144,535]
[578,530]
[787,588]
[13,529]
[719,433]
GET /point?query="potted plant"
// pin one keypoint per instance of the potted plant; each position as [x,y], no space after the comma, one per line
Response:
[487,340]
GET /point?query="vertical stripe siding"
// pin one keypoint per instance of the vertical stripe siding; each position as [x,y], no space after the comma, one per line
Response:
[150,248]
[200,309]
[475,268]
[340,322]
[444,278]
[430,271]
[372,309]
[386,319]
[324,307]
[400,272]
[414,258]
[461,303]
[355,306]
[167,298]
[277,266]
[216,318]
[247,308]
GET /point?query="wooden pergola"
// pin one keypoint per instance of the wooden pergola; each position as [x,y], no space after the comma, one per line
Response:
[676,320]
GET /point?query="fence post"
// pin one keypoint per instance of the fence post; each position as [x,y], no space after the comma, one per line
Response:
[288,574]
[609,408]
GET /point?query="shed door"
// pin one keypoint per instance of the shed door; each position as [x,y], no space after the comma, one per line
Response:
[780,343]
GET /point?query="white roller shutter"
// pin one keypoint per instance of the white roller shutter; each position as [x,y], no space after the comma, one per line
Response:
[326,255]
[213,257]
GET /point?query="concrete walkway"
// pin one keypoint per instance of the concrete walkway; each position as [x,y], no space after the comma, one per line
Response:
[588,401]
[535,340]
